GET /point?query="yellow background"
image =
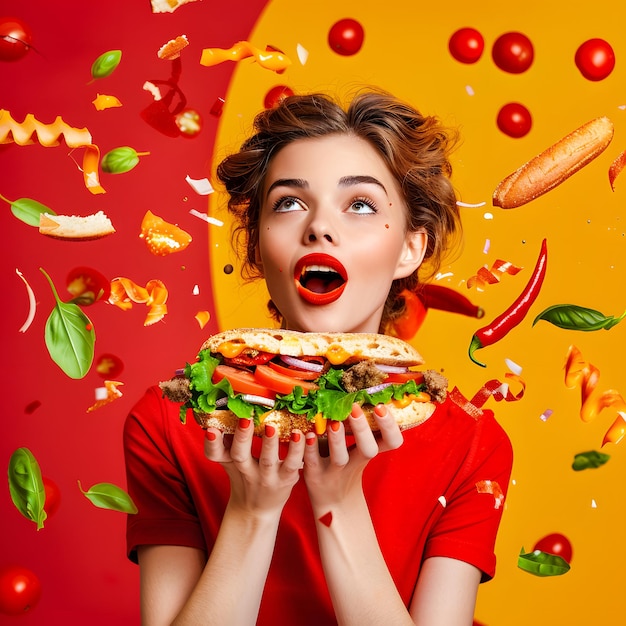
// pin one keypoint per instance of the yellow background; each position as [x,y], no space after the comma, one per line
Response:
[406,52]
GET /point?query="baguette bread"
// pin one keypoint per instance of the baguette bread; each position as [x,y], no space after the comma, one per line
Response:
[74,227]
[554,165]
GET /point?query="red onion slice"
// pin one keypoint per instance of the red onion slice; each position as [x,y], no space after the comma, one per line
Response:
[392,369]
[376,388]
[252,399]
[309,366]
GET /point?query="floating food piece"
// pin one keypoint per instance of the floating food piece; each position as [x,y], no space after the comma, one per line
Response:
[106,64]
[32,304]
[49,135]
[589,460]
[574,317]
[172,49]
[492,487]
[272,59]
[75,227]
[167,6]
[111,393]
[616,167]
[103,102]
[554,165]
[490,276]
[203,317]
[121,160]
[154,295]
[161,237]
[542,564]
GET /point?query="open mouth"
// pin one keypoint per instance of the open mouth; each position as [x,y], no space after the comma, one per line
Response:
[320,278]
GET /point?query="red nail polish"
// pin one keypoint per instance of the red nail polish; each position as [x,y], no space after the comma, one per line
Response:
[334,425]
[295,437]
[210,435]
[380,410]
[269,430]
[310,439]
[244,423]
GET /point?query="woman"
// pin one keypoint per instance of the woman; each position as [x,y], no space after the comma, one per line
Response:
[337,211]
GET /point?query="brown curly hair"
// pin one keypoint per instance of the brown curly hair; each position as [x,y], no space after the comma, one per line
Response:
[415,148]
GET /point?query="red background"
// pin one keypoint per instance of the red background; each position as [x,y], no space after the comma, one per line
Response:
[79,556]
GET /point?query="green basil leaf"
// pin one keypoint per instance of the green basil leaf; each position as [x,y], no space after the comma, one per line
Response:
[28,210]
[120,160]
[574,317]
[69,336]
[541,563]
[106,63]
[109,496]
[589,460]
[26,486]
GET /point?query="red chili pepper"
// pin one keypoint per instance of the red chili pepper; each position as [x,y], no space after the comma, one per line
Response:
[496,330]
[446,299]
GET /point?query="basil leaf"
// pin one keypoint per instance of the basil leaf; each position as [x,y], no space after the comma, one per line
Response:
[28,210]
[69,336]
[589,460]
[109,496]
[574,317]
[106,63]
[26,486]
[542,563]
[120,160]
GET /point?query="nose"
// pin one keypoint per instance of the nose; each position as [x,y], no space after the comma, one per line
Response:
[320,228]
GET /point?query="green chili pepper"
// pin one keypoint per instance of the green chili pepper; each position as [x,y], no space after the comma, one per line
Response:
[120,160]
[589,460]
[70,337]
[541,563]
[109,496]
[26,486]
[106,63]
[573,317]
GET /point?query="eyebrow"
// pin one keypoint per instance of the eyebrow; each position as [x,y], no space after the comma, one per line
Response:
[345,181]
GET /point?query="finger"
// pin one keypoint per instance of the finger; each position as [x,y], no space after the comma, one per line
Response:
[294,458]
[269,449]
[365,441]
[311,456]
[391,434]
[214,449]
[337,444]
[241,447]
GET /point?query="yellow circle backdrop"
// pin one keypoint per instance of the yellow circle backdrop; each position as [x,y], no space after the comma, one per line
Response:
[406,52]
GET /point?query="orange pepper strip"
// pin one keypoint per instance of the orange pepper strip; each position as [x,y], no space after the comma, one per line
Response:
[49,135]
[617,430]
[579,372]
[124,292]
[113,393]
[269,59]
[486,276]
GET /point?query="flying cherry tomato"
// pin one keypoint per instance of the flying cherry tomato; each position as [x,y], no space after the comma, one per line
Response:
[276,95]
[189,121]
[87,285]
[109,366]
[53,496]
[556,543]
[20,590]
[15,39]
[466,45]
[513,52]
[514,120]
[346,37]
[595,59]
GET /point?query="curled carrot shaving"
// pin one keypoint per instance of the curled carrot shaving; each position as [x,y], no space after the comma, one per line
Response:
[49,135]
[486,276]
[272,59]
[103,102]
[112,393]
[154,295]
[492,487]
[32,304]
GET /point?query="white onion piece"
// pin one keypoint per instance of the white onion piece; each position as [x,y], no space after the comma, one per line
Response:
[32,304]
[392,369]
[377,387]
[252,399]
[309,366]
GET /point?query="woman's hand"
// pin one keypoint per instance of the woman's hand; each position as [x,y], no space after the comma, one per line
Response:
[333,479]
[257,486]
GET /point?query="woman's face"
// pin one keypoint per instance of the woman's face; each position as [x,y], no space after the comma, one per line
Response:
[332,235]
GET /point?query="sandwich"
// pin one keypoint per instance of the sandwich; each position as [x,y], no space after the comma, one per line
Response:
[301,381]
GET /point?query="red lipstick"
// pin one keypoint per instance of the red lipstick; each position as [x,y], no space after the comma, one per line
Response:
[320,278]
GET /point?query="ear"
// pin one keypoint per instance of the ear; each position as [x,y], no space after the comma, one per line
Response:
[412,254]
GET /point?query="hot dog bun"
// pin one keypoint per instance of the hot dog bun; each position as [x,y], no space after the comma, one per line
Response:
[554,165]
[74,227]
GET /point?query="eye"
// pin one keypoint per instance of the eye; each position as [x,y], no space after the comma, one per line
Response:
[363,206]
[285,204]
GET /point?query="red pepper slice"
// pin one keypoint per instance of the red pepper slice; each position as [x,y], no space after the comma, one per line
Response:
[446,299]
[496,330]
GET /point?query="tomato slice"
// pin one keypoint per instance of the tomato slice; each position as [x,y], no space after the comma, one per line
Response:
[295,373]
[405,377]
[242,381]
[281,383]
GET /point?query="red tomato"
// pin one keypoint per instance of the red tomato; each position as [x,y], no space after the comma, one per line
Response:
[280,383]
[513,52]
[418,377]
[87,285]
[109,366]
[242,381]
[556,544]
[53,496]
[409,322]
[514,120]
[20,590]
[595,59]
[299,374]
[466,45]
[15,39]
[276,95]
[346,37]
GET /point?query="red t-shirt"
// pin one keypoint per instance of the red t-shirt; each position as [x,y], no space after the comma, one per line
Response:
[440,494]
